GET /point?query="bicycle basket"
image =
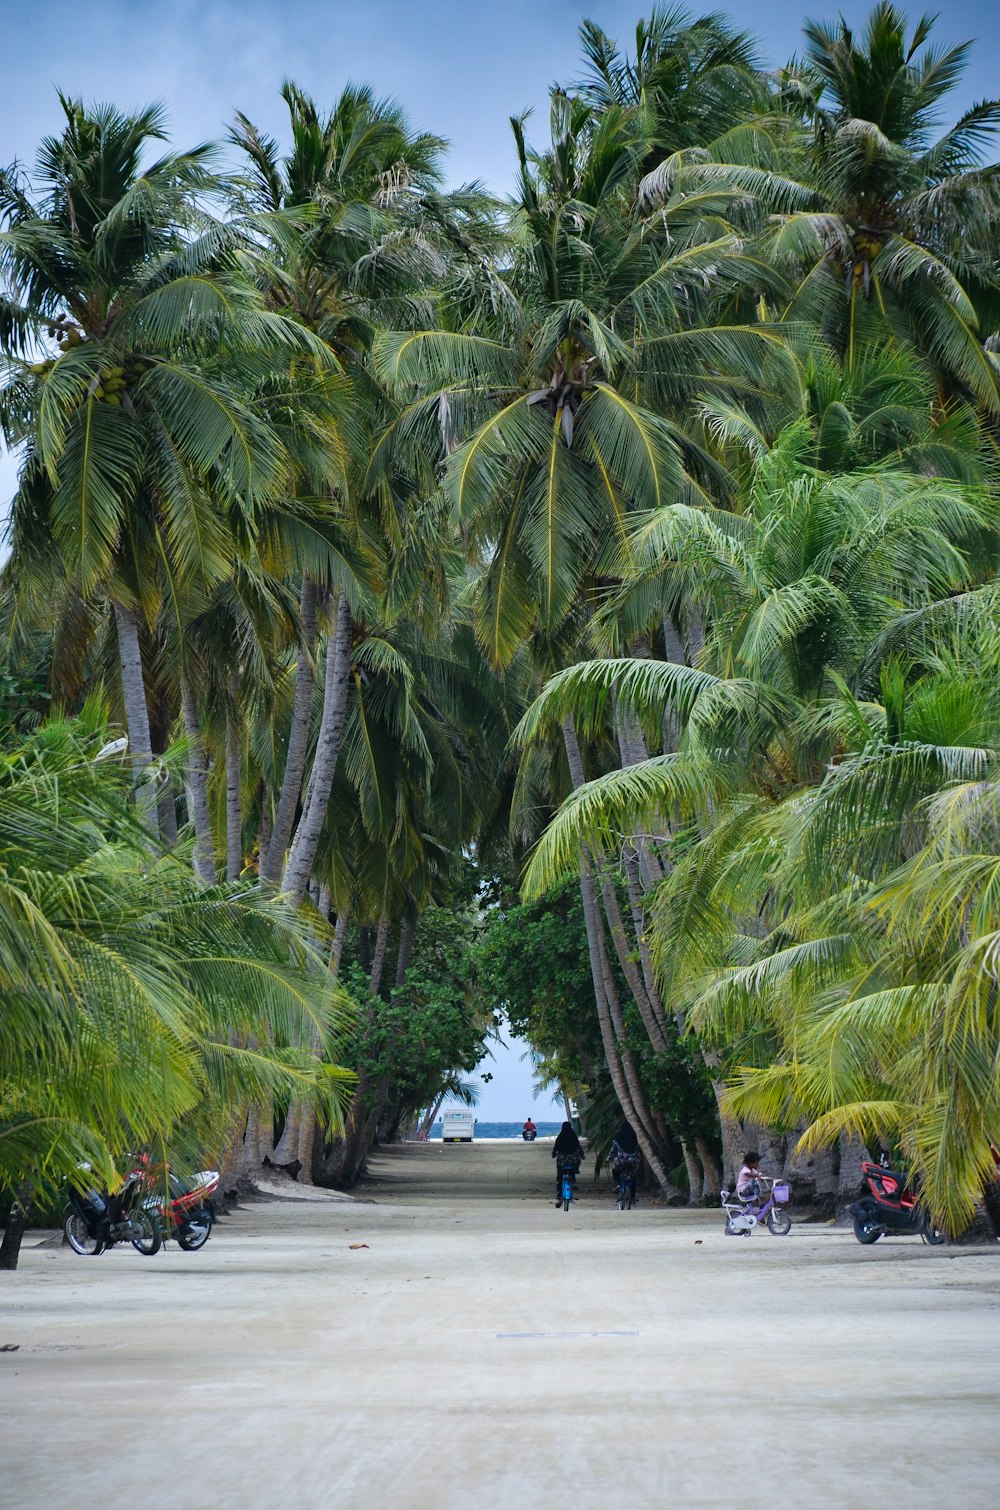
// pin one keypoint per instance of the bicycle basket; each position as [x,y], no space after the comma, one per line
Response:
[780,1193]
[624,1164]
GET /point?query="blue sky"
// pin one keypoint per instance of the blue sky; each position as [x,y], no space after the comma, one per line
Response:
[460,68]
[509,1096]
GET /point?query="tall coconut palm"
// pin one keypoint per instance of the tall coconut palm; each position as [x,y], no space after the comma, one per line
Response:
[796,591]
[692,81]
[884,231]
[145,416]
[563,383]
[345,247]
[898,244]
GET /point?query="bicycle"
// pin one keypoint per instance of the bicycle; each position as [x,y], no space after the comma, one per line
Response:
[567,1168]
[623,1169]
[744,1213]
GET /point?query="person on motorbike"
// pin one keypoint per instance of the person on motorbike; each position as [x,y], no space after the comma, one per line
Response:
[748,1181]
[566,1146]
[528,1131]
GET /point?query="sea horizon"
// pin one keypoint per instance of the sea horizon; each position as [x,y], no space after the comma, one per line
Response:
[503,1129]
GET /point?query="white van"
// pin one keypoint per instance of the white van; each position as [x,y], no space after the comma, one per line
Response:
[457,1127]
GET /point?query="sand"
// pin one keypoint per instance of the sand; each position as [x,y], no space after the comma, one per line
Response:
[485,1351]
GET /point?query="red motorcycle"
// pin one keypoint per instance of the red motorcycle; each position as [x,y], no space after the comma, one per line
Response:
[186,1212]
[891,1207]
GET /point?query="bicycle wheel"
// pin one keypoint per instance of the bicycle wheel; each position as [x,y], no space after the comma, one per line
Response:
[779,1223]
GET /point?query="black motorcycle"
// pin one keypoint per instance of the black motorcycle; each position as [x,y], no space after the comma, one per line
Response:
[95,1220]
[890,1207]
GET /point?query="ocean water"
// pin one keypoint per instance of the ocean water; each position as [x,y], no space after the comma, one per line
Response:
[505,1129]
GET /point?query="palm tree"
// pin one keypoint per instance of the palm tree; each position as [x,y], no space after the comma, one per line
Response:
[898,244]
[142,433]
[866,1004]
[691,83]
[884,232]
[552,393]
[345,245]
[797,591]
[140,1007]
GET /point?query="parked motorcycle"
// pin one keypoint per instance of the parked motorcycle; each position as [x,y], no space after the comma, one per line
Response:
[890,1207]
[95,1220]
[187,1212]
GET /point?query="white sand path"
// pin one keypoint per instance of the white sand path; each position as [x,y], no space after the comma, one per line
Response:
[486,1352]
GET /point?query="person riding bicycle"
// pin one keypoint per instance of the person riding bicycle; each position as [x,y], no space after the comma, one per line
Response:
[567,1152]
[624,1152]
[748,1181]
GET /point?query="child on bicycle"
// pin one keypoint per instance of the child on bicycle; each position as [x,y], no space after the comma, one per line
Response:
[748,1181]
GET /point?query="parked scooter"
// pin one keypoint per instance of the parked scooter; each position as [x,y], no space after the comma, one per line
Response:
[890,1207]
[95,1220]
[189,1213]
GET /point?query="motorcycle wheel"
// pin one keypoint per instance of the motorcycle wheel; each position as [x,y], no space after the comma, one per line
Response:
[933,1235]
[150,1242]
[195,1235]
[865,1232]
[779,1223]
[79,1239]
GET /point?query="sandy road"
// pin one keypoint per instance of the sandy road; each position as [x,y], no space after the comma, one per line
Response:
[487,1352]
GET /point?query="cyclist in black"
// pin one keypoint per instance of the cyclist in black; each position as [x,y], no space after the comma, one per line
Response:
[568,1146]
[625,1140]
[623,1158]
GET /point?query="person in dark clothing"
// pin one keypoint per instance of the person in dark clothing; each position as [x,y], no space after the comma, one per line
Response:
[623,1156]
[625,1138]
[567,1146]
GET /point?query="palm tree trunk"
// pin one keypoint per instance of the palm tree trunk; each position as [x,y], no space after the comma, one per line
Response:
[675,651]
[710,1164]
[404,959]
[378,957]
[338,670]
[166,813]
[368,1103]
[17,1225]
[652,1020]
[621,1062]
[637,907]
[204,848]
[136,710]
[298,738]
[428,1121]
[339,935]
[696,1181]
[234,795]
